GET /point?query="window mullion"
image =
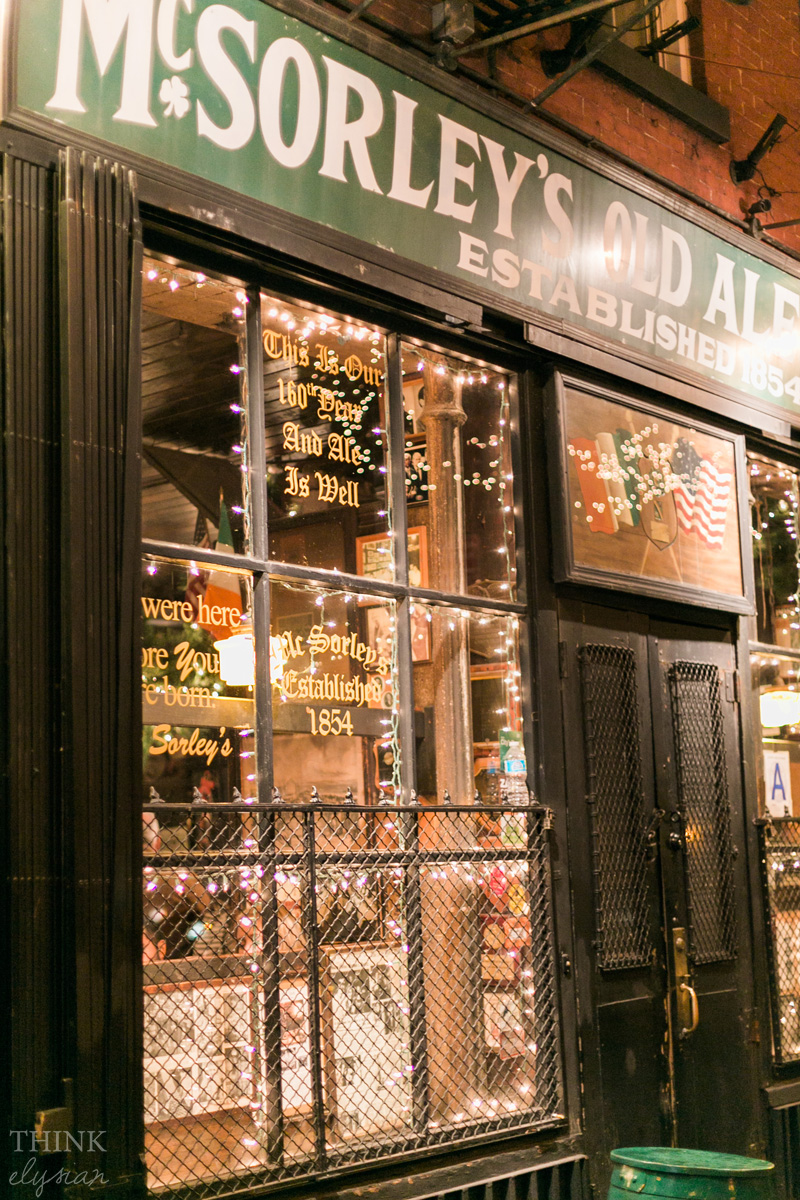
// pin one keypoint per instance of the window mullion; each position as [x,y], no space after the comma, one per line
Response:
[256,458]
[397,490]
[527,644]
[256,466]
[399,526]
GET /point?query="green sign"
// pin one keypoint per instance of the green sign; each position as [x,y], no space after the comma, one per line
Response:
[249,98]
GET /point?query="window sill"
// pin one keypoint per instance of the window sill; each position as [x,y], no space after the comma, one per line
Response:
[653,83]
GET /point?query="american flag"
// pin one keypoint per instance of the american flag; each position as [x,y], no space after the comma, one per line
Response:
[701,494]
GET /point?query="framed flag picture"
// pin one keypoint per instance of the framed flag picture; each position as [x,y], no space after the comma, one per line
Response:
[644,502]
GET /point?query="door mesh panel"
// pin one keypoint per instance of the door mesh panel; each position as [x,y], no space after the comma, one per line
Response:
[780,864]
[615,795]
[705,810]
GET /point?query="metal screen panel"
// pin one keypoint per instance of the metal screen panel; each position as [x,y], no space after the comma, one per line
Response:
[615,794]
[705,810]
[330,985]
[780,858]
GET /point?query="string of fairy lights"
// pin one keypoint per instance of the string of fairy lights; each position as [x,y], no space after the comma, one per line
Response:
[775,508]
[495,477]
[239,892]
[244,887]
[328,368]
[776,499]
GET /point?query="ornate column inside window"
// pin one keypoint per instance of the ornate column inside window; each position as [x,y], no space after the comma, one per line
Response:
[449,903]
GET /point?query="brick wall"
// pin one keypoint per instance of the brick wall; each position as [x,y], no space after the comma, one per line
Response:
[751,65]
[764,37]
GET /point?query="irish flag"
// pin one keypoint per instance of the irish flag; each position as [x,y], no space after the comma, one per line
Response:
[223,591]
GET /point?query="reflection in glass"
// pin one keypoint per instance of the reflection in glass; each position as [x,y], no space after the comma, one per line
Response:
[467,693]
[481,1016]
[198,728]
[776,688]
[193,409]
[345,974]
[775,501]
[202,912]
[333,658]
[459,479]
[324,378]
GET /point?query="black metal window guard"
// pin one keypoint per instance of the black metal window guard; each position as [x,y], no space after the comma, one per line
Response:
[328,985]
[780,862]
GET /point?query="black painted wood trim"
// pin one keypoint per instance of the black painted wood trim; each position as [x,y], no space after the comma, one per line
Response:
[30,871]
[99,279]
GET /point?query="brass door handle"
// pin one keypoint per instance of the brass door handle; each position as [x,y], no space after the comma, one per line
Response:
[694,1019]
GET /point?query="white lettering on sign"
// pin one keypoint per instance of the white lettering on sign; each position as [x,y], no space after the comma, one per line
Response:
[403,143]
[167,33]
[108,21]
[619,265]
[453,173]
[778,783]
[561,247]
[507,185]
[270,102]
[340,132]
[628,241]
[226,77]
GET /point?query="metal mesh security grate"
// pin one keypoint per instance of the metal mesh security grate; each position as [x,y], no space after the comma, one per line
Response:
[705,810]
[780,859]
[616,805]
[329,985]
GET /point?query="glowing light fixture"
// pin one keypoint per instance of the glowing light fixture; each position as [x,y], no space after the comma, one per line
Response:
[780,707]
[237,660]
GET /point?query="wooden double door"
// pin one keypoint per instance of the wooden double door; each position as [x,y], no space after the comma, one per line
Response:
[659,881]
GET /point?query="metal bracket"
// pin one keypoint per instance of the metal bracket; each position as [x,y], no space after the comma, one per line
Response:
[554,62]
[594,53]
[732,690]
[561,16]
[675,32]
[53,1124]
[685,995]
[652,833]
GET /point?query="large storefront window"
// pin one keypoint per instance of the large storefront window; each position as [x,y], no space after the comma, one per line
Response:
[324,403]
[775,520]
[194,434]
[333,659]
[459,482]
[775,507]
[775,677]
[347,940]
[467,682]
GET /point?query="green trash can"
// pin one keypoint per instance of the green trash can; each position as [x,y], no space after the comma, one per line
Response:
[689,1174]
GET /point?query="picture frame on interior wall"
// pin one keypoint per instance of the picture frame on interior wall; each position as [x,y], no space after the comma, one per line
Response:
[374,557]
[367,1007]
[644,500]
[414,402]
[379,632]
